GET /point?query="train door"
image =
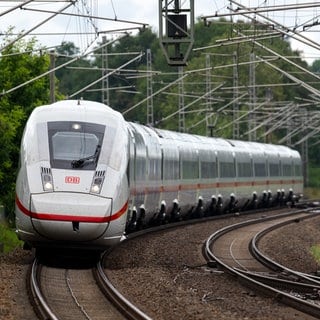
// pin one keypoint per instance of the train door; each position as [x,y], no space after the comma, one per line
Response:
[153,172]
[227,175]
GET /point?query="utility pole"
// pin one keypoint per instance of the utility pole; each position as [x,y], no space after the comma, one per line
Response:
[105,80]
[52,76]
[150,119]
[176,40]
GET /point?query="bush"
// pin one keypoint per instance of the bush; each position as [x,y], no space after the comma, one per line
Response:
[314,177]
[9,239]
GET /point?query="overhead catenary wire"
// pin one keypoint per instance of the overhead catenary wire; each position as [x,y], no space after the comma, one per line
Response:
[243,10]
[105,76]
[283,29]
[88,16]
[35,27]
[4,92]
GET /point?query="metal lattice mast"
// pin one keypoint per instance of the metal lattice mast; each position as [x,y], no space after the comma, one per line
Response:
[105,81]
[150,119]
[236,128]
[182,127]
[252,103]
[52,77]
[209,114]
[304,149]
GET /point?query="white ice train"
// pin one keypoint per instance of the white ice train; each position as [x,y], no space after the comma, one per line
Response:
[87,176]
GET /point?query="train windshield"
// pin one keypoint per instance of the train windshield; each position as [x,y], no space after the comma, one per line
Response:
[75,145]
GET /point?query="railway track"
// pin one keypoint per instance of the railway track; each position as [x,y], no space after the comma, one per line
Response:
[86,293]
[68,293]
[235,249]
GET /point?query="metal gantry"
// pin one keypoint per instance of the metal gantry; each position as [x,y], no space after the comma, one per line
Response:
[176,30]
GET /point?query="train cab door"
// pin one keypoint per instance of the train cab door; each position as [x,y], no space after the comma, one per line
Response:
[138,166]
[131,171]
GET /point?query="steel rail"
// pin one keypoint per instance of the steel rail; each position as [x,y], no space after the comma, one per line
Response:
[39,300]
[128,309]
[253,282]
[265,260]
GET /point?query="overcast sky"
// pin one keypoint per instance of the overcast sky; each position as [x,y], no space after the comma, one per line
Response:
[136,11]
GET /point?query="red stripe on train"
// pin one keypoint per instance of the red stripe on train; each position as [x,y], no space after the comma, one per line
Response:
[68,217]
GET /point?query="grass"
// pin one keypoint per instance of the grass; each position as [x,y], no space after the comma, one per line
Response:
[314,177]
[311,193]
[315,251]
[8,239]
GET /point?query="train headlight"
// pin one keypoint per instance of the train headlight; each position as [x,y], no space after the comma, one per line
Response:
[46,177]
[97,181]
[48,186]
[96,185]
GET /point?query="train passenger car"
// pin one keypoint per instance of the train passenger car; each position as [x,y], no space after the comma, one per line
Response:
[87,176]
[206,176]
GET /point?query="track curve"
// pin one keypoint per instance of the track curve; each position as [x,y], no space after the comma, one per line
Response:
[231,249]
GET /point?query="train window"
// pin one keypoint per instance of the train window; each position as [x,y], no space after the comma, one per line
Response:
[74,145]
[260,170]
[171,169]
[190,169]
[274,169]
[154,169]
[140,169]
[298,170]
[287,170]
[244,169]
[227,170]
[208,169]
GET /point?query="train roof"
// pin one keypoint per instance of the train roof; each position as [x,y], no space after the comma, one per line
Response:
[185,137]
[78,110]
[233,145]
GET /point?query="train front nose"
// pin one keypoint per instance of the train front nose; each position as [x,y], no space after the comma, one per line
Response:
[74,217]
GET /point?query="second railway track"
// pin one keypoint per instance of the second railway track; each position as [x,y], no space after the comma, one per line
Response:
[234,249]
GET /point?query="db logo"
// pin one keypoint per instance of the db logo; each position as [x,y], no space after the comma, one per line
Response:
[70,179]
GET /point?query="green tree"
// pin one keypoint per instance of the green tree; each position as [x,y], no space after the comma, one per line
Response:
[20,62]
[76,75]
